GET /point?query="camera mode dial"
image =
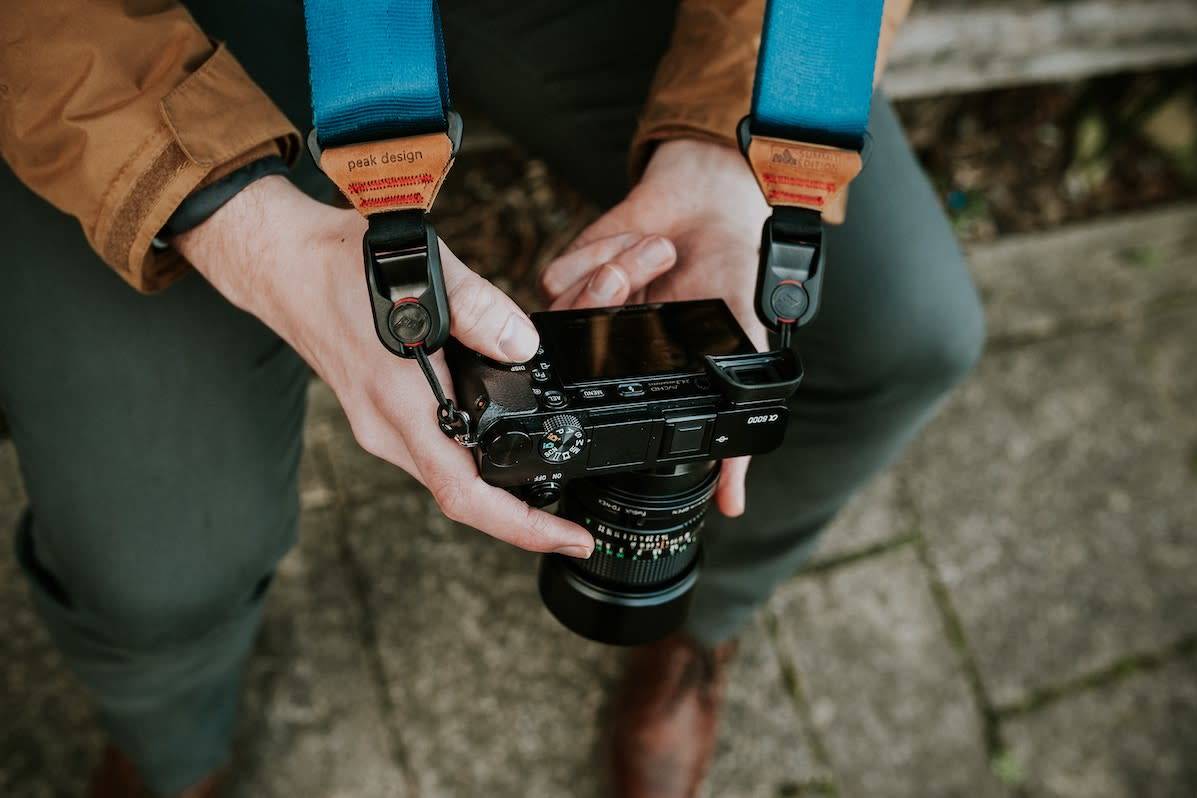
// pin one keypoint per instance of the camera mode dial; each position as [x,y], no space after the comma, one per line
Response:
[563,439]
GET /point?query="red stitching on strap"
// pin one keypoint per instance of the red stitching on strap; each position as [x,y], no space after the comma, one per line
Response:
[770,177]
[390,182]
[394,199]
[807,199]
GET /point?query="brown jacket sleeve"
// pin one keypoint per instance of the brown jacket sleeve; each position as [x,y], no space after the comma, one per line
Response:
[115,111]
[703,86]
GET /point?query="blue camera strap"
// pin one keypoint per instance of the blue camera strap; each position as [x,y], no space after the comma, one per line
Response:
[804,140]
[386,135]
[814,74]
[377,69]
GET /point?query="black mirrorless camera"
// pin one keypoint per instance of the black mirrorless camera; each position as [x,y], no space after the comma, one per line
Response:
[623,415]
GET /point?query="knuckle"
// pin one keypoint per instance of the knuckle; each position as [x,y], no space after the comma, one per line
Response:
[452,496]
[535,534]
[472,302]
[369,435]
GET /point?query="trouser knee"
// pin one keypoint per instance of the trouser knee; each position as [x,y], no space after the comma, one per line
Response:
[154,590]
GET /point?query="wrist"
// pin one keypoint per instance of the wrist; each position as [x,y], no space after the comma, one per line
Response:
[702,176]
[244,249]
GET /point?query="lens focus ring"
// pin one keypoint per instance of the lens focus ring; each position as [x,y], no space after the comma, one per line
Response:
[633,558]
[641,540]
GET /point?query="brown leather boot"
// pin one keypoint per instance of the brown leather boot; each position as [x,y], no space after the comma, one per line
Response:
[117,777]
[666,717]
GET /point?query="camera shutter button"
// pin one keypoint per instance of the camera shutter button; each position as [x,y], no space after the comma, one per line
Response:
[508,448]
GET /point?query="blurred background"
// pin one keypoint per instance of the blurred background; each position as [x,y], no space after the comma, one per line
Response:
[1010,611]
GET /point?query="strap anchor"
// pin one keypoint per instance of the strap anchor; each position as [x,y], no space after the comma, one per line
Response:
[409,301]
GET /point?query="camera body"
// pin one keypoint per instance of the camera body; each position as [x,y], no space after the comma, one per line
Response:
[623,389]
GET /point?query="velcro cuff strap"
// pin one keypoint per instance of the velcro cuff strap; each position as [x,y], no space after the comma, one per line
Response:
[801,175]
[392,174]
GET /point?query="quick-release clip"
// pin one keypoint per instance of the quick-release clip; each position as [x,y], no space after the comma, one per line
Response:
[393,183]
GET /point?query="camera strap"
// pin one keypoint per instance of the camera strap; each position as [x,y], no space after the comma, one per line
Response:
[805,139]
[385,133]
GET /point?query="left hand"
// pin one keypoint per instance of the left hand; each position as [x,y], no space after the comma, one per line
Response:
[690,229]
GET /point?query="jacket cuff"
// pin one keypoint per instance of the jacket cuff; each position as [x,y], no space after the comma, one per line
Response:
[703,85]
[213,122]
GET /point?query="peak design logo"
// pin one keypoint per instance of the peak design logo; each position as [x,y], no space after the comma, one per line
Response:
[390,175]
[798,174]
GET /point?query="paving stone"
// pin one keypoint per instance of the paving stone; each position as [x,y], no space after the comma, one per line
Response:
[764,748]
[1058,491]
[312,721]
[48,738]
[1034,285]
[361,475]
[495,698]
[1133,738]
[887,691]
[316,489]
[871,518]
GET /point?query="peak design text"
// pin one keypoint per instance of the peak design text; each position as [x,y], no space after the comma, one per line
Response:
[402,156]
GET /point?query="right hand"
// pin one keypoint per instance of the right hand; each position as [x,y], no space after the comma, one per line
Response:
[297,265]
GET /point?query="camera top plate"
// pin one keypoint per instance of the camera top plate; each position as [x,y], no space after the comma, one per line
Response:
[621,389]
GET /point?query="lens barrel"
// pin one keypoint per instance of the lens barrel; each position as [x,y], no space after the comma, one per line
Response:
[636,586]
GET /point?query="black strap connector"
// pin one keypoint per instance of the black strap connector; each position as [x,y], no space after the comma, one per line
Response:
[790,275]
[409,301]
[406,283]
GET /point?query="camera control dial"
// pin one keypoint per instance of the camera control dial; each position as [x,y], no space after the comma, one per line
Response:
[564,438]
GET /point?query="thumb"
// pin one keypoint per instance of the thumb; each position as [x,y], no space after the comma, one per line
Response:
[483,317]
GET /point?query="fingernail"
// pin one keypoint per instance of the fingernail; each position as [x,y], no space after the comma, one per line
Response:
[580,552]
[519,340]
[607,283]
[654,252]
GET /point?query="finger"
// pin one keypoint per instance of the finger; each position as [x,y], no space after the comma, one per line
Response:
[484,318]
[568,269]
[730,496]
[450,474]
[630,271]
[612,223]
[463,497]
[606,287]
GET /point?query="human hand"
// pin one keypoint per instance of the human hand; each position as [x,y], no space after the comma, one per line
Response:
[297,265]
[690,229]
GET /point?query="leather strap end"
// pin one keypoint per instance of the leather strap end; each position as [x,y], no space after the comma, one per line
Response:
[802,175]
[392,174]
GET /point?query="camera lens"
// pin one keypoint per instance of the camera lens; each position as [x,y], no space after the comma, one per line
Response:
[636,586]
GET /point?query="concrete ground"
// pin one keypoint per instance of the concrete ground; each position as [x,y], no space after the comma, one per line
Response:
[1010,611]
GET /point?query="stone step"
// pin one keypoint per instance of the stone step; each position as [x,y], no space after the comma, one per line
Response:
[951,47]
[1092,274]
